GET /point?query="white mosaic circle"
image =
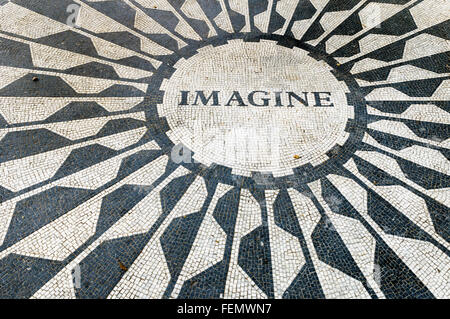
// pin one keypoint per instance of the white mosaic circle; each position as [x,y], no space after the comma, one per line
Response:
[256,107]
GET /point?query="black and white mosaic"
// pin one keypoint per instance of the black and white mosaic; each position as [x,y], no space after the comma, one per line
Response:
[224,149]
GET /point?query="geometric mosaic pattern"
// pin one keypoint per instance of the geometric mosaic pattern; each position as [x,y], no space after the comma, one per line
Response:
[92,204]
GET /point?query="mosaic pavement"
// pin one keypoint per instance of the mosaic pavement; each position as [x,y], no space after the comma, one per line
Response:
[224,149]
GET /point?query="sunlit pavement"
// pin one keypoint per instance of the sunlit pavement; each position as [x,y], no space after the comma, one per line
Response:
[224,149]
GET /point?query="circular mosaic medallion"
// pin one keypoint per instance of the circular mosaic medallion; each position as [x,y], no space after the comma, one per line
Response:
[263,107]
[256,106]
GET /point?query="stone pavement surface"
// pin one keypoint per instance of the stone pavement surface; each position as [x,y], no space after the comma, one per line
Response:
[224,149]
